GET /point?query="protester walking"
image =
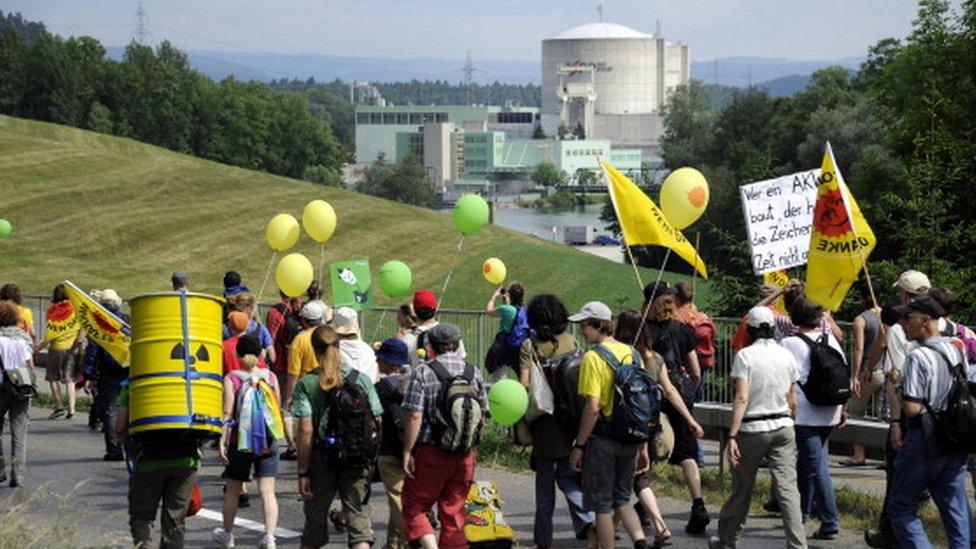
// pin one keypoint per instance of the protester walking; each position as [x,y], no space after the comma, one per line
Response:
[16,389]
[108,376]
[252,427]
[814,423]
[25,319]
[392,357]
[441,434]
[764,376]
[868,376]
[559,358]
[425,307]
[338,415]
[301,353]
[608,465]
[61,339]
[356,353]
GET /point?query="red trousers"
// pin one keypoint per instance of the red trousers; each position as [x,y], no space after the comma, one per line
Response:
[443,478]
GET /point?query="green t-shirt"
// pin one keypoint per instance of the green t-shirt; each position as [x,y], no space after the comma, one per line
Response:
[309,400]
[145,465]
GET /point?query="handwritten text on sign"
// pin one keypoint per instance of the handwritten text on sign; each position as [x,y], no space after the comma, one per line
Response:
[779,215]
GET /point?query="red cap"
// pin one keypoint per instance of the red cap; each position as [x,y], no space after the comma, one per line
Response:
[424,299]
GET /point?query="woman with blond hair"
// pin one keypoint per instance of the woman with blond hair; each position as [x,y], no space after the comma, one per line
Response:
[338,413]
[245,302]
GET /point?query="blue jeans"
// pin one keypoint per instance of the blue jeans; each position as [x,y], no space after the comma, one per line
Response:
[550,472]
[813,476]
[945,478]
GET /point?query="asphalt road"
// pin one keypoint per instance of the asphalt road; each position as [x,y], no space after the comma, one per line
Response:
[73,499]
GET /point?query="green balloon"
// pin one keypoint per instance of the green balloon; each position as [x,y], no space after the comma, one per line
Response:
[395,278]
[470,214]
[507,401]
[5,228]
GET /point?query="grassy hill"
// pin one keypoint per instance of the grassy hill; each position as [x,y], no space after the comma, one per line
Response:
[109,212]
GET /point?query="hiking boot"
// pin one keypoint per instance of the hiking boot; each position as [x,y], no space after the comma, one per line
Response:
[879,540]
[223,538]
[698,520]
[243,501]
[58,412]
[267,542]
[642,514]
[771,506]
[821,534]
[14,483]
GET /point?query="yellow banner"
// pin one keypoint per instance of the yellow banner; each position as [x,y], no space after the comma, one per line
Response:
[779,280]
[643,223]
[62,322]
[840,242]
[101,326]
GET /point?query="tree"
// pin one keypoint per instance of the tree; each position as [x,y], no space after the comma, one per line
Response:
[403,182]
[585,177]
[547,175]
[323,176]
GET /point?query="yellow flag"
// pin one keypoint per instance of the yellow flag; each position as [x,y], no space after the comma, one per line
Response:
[779,279]
[840,241]
[643,223]
[101,326]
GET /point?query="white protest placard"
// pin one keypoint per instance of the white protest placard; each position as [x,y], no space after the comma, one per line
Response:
[779,216]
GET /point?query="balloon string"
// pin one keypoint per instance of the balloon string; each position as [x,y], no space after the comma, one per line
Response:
[322,263]
[379,323]
[450,273]
[264,284]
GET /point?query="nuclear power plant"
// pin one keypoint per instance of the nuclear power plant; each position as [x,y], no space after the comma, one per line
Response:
[613,81]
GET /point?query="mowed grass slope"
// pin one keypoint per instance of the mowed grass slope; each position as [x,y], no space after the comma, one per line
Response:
[109,212]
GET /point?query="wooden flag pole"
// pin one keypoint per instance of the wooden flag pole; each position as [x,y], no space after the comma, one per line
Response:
[630,255]
[694,275]
[647,306]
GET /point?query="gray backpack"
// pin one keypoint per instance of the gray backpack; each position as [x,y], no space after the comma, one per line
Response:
[457,421]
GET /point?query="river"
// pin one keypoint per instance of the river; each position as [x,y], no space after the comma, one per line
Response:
[541,222]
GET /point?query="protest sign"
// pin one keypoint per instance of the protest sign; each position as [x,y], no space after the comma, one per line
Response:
[351,284]
[779,216]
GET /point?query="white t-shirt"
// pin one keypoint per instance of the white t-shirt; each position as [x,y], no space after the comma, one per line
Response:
[806,413]
[358,355]
[770,370]
[412,344]
[14,352]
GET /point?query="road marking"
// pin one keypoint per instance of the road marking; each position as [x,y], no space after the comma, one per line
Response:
[281,533]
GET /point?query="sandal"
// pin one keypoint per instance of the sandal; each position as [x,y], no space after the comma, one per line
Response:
[662,538]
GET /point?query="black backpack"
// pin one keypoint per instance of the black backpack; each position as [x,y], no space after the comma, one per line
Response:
[637,399]
[955,427]
[666,346]
[829,380]
[562,374]
[458,417]
[291,328]
[352,424]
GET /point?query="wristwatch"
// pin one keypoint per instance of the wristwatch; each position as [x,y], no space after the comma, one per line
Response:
[579,446]
[730,437]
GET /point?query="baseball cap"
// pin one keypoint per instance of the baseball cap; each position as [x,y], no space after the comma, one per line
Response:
[760,315]
[316,311]
[237,321]
[393,351]
[924,304]
[424,299]
[444,333]
[593,309]
[913,282]
[655,290]
[345,321]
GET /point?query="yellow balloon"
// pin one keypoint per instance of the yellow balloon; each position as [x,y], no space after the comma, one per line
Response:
[319,220]
[294,274]
[282,232]
[684,197]
[494,270]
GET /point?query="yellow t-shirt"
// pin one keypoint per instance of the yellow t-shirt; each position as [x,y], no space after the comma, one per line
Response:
[26,320]
[301,355]
[596,376]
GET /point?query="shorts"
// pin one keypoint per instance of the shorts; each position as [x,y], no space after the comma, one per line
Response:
[608,474]
[241,463]
[60,366]
[685,443]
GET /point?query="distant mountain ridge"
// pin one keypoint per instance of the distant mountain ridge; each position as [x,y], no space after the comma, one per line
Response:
[780,76]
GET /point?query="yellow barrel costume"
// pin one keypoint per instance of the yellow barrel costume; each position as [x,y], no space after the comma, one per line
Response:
[175,377]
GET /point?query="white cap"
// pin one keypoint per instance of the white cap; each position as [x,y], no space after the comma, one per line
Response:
[593,309]
[760,315]
[110,298]
[345,321]
[913,282]
[316,311]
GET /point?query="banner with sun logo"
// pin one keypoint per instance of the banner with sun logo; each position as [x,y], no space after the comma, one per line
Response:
[100,325]
[841,239]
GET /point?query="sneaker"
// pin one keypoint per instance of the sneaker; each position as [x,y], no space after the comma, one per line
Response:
[267,542]
[223,538]
[58,412]
[243,501]
[642,514]
[14,483]
[69,415]
[715,542]
[879,540]
[771,506]
[698,520]
[822,535]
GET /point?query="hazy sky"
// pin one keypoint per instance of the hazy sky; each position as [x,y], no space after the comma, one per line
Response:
[498,29]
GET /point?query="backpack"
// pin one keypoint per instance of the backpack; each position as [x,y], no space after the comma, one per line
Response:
[291,328]
[520,330]
[955,427]
[680,377]
[18,381]
[458,415]
[352,428]
[829,380]
[959,330]
[257,415]
[636,401]
[704,329]
[562,374]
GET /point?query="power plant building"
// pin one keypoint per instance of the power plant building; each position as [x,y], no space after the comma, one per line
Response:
[613,81]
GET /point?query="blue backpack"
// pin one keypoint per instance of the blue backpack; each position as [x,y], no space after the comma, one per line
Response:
[520,330]
[636,401]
